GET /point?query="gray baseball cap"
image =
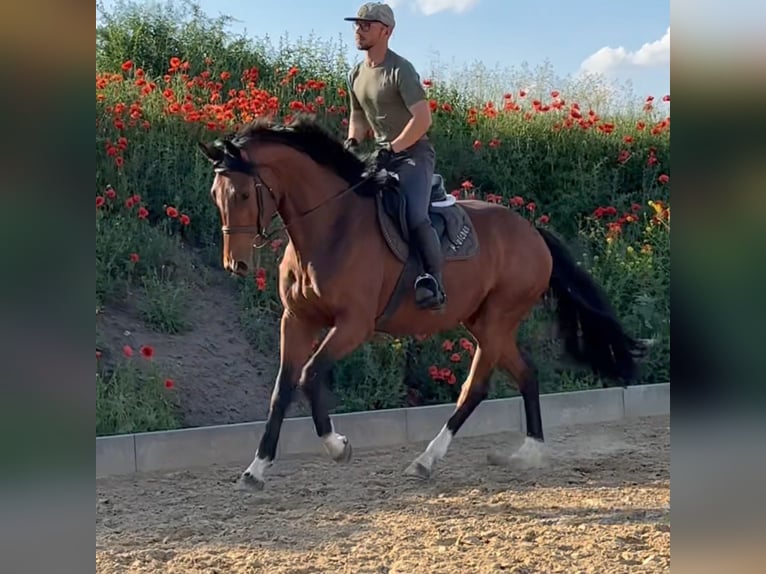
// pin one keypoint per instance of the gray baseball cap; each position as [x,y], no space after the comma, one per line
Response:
[374,12]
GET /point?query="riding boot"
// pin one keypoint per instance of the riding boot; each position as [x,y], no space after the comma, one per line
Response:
[429,290]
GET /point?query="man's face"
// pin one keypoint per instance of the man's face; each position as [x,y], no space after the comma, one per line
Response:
[368,34]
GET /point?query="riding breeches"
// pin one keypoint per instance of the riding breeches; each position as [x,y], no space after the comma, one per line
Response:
[415,176]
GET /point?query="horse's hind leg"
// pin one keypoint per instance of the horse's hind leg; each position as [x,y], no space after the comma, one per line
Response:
[525,374]
[473,391]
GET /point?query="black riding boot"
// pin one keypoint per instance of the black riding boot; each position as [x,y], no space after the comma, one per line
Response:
[429,292]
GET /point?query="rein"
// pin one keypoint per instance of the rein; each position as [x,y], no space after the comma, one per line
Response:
[260,230]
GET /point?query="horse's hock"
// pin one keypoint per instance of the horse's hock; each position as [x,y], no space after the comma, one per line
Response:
[599,504]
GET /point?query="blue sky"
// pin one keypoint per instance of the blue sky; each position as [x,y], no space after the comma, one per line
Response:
[625,40]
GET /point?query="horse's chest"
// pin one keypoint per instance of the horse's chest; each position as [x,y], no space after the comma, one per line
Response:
[302,292]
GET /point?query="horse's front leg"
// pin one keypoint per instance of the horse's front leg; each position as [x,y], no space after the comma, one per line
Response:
[341,340]
[296,342]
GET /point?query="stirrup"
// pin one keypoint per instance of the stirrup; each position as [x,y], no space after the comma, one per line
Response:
[428,294]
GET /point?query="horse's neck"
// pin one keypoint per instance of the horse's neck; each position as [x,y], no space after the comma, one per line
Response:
[320,210]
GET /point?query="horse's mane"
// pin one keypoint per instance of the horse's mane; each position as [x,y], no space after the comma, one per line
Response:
[305,134]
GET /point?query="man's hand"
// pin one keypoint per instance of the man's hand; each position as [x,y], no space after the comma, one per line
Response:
[385,156]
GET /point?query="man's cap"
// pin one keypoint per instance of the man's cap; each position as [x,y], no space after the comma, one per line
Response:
[374,12]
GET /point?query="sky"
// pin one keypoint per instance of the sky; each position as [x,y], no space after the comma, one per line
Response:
[622,39]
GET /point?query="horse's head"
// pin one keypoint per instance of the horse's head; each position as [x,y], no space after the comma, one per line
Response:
[245,203]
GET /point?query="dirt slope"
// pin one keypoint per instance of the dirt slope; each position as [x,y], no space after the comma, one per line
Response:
[219,377]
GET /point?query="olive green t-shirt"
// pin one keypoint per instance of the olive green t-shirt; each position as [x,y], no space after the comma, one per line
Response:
[384,93]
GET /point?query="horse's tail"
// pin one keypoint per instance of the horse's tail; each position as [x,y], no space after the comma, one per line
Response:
[591,330]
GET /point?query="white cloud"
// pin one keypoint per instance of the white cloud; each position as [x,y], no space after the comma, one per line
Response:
[431,7]
[651,54]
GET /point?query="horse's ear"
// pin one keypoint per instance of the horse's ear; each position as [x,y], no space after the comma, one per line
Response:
[211,152]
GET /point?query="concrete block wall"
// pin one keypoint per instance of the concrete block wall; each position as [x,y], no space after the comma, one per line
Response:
[236,443]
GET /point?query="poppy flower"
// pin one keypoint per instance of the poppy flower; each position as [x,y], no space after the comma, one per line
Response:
[147,352]
[171,211]
[169,384]
[663,178]
[134,258]
[127,350]
[184,219]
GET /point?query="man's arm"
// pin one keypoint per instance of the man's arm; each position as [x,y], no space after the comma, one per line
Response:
[414,97]
[358,125]
[418,125]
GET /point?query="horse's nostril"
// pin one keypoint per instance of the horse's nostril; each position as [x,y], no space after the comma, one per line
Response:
[241,267]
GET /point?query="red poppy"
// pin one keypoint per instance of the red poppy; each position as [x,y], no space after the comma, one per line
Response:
[127,65]
[134,257]
[169,384]
[531,207]
[184,219]
[663,178]
[448,345]
[100,201]
[455,358]
[517,201]
[171,211]
[127,350]
[143,213]
[147,351]
[543,219]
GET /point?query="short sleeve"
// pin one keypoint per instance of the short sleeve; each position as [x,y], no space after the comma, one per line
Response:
[409,84]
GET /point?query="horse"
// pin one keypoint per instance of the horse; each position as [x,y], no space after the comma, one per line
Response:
[347,269]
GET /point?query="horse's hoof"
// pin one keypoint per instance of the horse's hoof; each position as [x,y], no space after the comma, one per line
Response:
[249,482]
[344,456]
[418,470]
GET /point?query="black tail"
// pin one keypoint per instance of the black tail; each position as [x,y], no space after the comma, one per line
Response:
[592,333]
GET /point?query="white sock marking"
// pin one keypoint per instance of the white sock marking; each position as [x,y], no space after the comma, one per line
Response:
[258,467]
[334,443]
[530,453]
[437,448]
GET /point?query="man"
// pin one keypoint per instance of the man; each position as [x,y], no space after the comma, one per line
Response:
[387,96]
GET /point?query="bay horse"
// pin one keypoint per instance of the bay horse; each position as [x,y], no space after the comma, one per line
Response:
[347,268]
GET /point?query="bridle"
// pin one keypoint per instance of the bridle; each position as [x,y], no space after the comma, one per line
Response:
[247,166]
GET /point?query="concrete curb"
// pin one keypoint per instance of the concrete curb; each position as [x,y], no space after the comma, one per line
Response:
[236,443]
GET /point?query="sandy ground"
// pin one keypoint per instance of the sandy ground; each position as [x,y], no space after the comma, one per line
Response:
[599,504]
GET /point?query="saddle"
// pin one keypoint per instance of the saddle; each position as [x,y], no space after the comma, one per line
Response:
[452,224]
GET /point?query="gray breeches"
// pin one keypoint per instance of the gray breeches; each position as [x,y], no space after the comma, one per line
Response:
[415,177]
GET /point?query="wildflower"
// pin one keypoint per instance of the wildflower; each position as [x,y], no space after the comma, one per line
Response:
[517,201]
[100,201]
[433,372]
[127,65]
[543,219]
[467,184]
[531,206]
[147,352]
[663,178]
[448,345]
[134,258]
[455,358]
[127,350]
[143,213]
[477,144]
[184,219]
[646,249]
[169,384]
[171,212]
[110,193]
